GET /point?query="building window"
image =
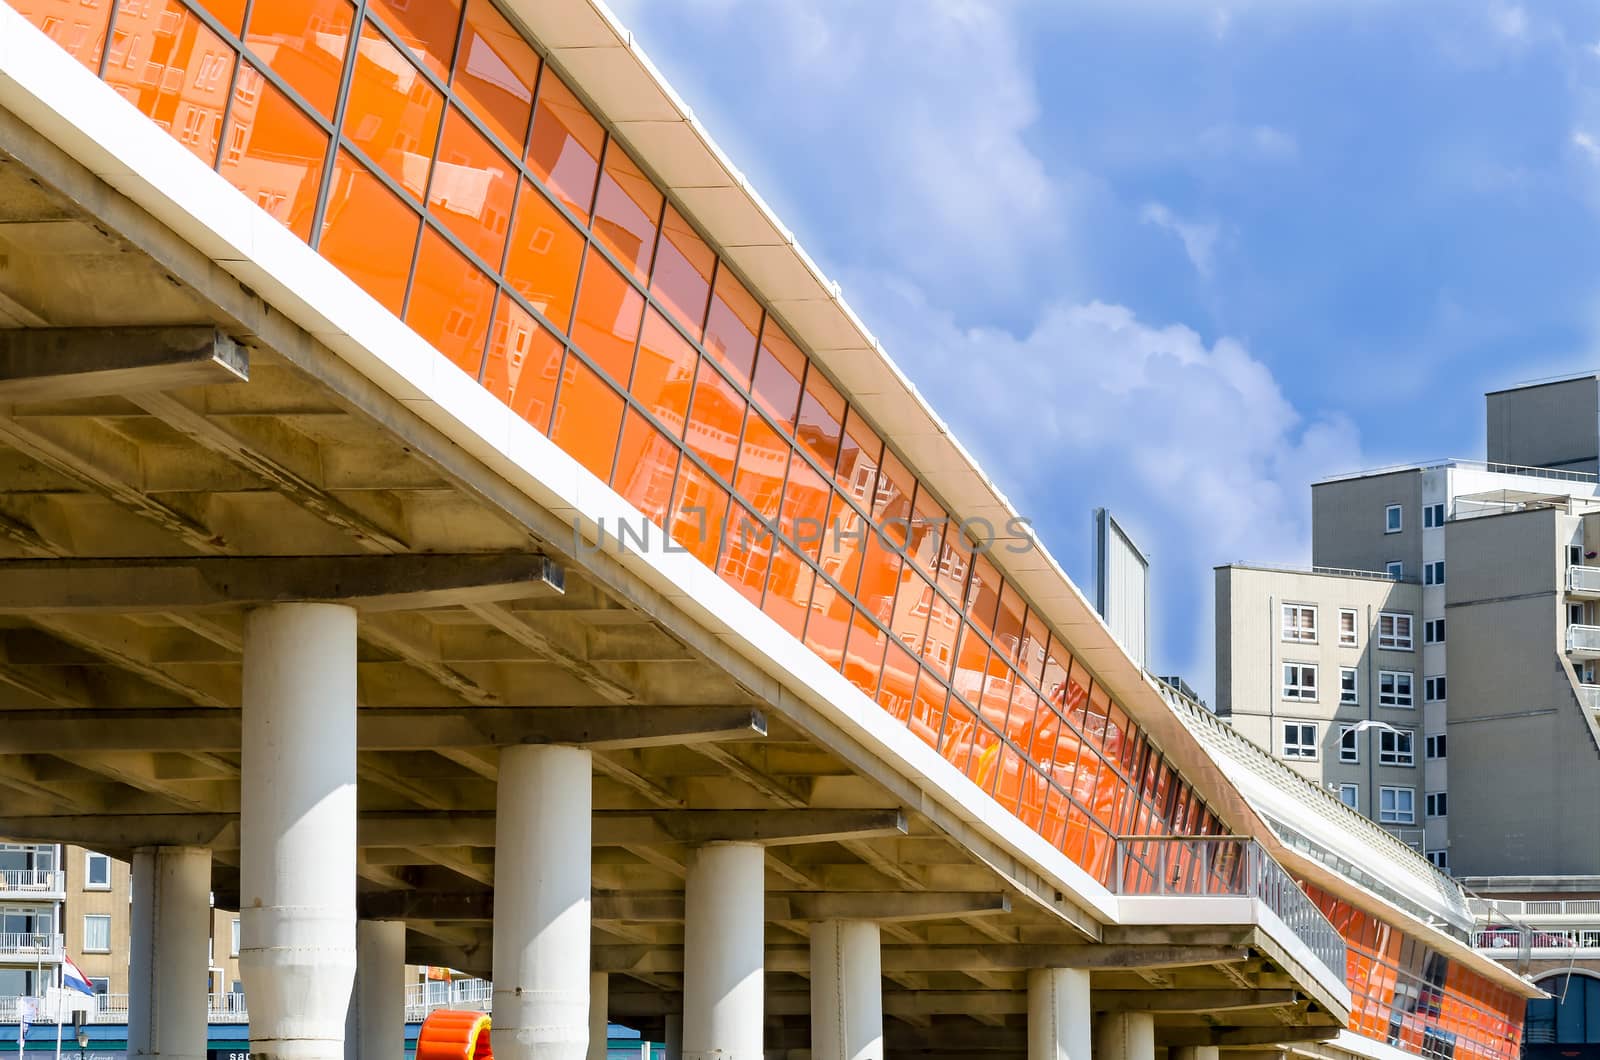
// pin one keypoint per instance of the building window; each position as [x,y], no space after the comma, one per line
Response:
[102,985]
[1347,685]
[1433,689]
[1575,614]
[233,947]
[1299,739]
[1300,623]
[1436,804]
[1575,555]
[1347,628]
[1393,519]
[96,872]
[1433,573]
[1299,681]
[1397,805]
[1396,747]
[1395,569]
[1433,631]
[1394,630]
[1432,516]
[1440,859]
[1349,744]
[1350,795]
[96,933]
[1434,747]
[1394,689]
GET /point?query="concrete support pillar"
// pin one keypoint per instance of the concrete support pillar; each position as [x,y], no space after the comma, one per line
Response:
[297,860]
[599,1013]
[541,885]
[1125,1036]
[167,968]
[1195,1052]
[846,991]
[1059,1026]
[674,1036]
[376,1028]
[724,955]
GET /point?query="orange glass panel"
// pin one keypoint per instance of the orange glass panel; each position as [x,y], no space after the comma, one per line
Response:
[392,113]
[732,326]
[543,256]
[682,278]
[985,757]
[496,70]
[588,416]
[647,463]
[304,42]
[166,62]
[789,589]
[913,603]
[369,233]
[972,657]
[747,557]
[1008,625]
[229,12]
[955,743]
[699,510]
[829,624]
[880,576]
[626,212]
[857,473]
[716,414]
[805,506]
[523,365]
[564,149]
[899,682]
[609,313]
[928,522]
[821,413]
[983,594]
[864,651]
[844,539]
[77,26]
[472,188]
[944,626]
[428,29]
[273,152]
[763,462]
[780,367]
[927,708]
[451,303]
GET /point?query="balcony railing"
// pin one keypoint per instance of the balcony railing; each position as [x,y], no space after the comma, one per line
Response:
[47,947]
[1583,579]
[1506,941]
[24,884]
[113,1008]
[1213,866]
[423,998]
[1583,640]
[1501,908]
[1589,696]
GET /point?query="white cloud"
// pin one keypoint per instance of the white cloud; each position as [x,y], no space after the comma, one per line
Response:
[1259,142]
[1509,20]
[1199,238]
[1586,143]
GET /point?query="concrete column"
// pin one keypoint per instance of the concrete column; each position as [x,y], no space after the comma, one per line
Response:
[541,885]
[674,1036]
[1058,1014]
[724,956]
[297,859]
[1125,1036]
[846,991]
[599,1013]
[376,1027]
[167,967]
[1195,1052]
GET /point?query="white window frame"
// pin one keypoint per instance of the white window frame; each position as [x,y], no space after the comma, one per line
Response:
[89,858]
[1433,515]
[1435,747]
[1392,815]
[87,917]
[1433,631]
[1299,750]
[1352,638]
[1298,689]
[1354,793]
[1349,692]
[1434,689]
[1349,745]
[1436,804]
[1433,572]
[1396,639]
[233,947]
[99,984]
[1294,629]
[1394,699]
[1395,569]
[1394,518]
[1440,859]
[1395,756]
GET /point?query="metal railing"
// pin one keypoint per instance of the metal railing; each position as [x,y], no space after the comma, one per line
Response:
[1498,908]
[113,1008]
[31,881]
[14,944]
[1589,696]
[1225,866]
[1478,465]
[1567,942]
[1583,579]
[1583,638]
[1337,572]
[423,998]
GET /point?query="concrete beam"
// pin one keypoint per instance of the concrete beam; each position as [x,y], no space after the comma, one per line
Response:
[630,959]
[373,582]
[1169,1000]
[667,906]
[383,728]
[1237,1036]
[910,1004]
[50,364]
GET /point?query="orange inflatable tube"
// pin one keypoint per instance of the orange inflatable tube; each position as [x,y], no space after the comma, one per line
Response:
[450,1035]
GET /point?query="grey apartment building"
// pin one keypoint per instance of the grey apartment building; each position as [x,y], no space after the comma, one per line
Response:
[1435,665]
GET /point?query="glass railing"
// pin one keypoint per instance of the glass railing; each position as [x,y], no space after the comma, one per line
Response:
[1583,579]
[1225,866]
[1583,638]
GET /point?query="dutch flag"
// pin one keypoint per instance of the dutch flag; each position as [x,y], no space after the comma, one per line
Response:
[73,979]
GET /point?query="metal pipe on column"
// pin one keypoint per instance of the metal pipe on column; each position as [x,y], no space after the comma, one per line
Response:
[1059,1014]
[846,990]
[1125,1036]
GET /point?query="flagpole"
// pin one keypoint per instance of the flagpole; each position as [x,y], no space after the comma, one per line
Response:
[58,1026]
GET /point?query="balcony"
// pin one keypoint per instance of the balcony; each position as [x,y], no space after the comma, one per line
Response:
[113,1008]
[1583,582]
[1227,867]
[422,998]
[1583,642]
[1515,942]
[24,947]
[1589,696]
[32,885]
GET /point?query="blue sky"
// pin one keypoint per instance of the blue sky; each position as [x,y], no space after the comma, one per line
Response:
[1175,257]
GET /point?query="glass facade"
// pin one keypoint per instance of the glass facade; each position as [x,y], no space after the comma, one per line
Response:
[1406,994]
[426,151]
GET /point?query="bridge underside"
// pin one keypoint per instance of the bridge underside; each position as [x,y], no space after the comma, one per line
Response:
[120,683]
